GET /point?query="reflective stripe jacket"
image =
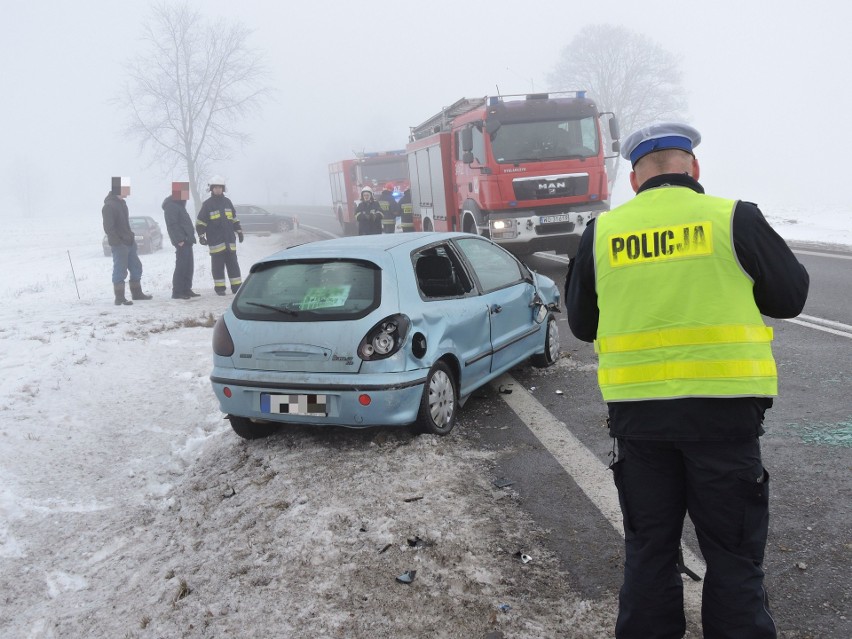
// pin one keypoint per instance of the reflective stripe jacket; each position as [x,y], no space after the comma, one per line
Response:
[677,312]
[218,220]
[780,290]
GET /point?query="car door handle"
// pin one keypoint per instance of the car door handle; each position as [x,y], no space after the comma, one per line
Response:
[496,308]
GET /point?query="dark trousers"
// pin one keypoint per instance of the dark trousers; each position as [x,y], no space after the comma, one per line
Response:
[724,488]
[218,263]
[184,268]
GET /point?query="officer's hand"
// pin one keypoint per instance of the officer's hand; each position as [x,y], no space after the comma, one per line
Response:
[240,235]
[202,239]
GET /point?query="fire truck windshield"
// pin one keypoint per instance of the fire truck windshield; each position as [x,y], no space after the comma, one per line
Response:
[547,140]
[394,170]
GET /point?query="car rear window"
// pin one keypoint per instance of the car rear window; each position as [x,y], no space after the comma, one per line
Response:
[310,290]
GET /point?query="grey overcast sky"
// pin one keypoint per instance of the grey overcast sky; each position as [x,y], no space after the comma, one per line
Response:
[768,82]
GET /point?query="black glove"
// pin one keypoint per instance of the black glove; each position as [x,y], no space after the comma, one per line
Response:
[240,235]
[202,239]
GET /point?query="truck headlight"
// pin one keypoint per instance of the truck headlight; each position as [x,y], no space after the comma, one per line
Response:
[505,229]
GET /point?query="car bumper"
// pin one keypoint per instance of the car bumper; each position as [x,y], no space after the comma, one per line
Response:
[394,398]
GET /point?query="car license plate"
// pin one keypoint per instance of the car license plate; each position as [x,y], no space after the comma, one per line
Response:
[550,219]
[307,405]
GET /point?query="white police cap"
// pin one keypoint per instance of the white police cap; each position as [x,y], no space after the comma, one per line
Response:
[659,136]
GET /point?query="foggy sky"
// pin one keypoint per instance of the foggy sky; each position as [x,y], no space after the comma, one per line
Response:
[768,87]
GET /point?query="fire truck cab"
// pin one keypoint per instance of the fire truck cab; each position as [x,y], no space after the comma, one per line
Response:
[528,171]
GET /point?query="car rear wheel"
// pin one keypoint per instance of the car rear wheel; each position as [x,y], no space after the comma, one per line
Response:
[440,401]
[551,346]
[284,226]
[248,429]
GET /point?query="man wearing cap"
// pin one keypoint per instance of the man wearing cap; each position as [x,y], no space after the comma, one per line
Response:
[671,287]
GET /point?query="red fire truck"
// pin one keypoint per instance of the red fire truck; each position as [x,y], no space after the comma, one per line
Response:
[375,170]
[526,170]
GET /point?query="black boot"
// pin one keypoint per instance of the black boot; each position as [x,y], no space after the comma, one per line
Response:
[181,296]
[136,291]
[192,293]
[120,300]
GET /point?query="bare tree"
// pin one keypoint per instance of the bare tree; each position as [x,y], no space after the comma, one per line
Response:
[626,72]
[190,89]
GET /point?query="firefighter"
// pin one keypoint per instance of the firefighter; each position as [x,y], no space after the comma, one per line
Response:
[390,209]
[671,287]
[407,215]
[368,214]
[122,242]
[218,228]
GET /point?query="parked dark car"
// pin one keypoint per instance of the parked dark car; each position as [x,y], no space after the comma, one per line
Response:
[254,219]
[149,236]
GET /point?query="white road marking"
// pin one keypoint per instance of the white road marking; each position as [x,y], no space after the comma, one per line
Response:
[828,326]
[838,256]
[590,473]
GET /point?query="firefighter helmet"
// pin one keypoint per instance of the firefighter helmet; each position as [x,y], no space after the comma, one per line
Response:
[216,180]
[389,186]
[366,189]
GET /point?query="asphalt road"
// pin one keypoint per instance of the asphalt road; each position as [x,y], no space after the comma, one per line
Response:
[807,451]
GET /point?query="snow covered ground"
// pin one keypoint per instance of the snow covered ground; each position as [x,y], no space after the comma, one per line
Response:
[128,508]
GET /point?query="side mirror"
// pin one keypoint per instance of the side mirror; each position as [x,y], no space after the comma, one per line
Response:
[467,157]
[616,146]
[492,125]
[613,130]
[467,141]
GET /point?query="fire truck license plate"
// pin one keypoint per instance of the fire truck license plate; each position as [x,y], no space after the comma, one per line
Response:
[550,219]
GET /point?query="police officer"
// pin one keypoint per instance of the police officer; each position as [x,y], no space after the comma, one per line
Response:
[390,209]
[407,216]
[218,227]
[368,214]
[671,287]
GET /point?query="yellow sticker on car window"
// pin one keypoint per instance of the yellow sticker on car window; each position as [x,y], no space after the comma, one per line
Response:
[325,297]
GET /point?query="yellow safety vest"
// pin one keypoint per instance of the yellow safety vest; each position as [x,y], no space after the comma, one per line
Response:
[677,311]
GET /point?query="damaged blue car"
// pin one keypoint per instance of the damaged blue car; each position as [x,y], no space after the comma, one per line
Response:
[393,329]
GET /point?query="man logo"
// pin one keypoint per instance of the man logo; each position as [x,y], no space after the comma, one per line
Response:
[551,187]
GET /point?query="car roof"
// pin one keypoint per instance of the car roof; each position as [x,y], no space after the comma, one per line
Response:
[362,246]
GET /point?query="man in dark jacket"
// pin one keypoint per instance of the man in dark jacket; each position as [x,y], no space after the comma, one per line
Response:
[182,235]
[122,241]
[218,227]
[671,287]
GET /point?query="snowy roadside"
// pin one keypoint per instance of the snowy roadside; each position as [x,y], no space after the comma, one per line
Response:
[129,509]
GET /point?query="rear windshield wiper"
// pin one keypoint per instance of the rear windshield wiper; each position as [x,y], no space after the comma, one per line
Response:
[280,309]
